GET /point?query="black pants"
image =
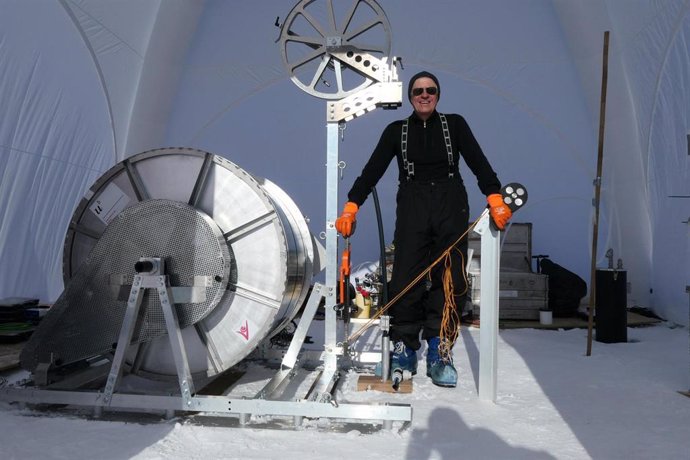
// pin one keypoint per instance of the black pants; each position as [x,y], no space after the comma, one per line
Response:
[430,216]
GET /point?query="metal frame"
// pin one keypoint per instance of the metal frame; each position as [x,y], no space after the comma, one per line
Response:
[161,283]
[319,401]
[217,405]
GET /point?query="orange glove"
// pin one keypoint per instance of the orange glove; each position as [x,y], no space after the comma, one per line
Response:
[347,222]
[500,212]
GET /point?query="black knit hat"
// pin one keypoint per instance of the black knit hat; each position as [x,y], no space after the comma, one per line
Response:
[422,74]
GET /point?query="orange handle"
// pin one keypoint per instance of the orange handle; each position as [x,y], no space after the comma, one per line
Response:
[344,272]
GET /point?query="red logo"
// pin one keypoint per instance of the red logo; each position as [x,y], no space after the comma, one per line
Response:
[244,330]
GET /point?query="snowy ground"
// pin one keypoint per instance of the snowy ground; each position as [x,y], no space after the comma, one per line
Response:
[553,402]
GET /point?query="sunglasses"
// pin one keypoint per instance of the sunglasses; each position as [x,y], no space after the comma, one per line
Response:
[431,91]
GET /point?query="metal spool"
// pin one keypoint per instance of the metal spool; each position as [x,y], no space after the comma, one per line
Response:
[326,45]
[255,284]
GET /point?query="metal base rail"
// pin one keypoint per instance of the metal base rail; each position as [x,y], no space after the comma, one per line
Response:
[214,405]
[319,402]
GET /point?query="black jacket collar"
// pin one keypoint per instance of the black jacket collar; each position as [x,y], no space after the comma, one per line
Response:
[414,118]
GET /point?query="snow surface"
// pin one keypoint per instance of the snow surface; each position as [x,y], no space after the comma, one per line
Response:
[622,402]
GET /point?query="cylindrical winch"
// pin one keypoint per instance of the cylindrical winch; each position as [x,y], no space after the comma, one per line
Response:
[237,252]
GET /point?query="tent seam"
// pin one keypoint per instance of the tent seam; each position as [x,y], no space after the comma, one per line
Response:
[101,76]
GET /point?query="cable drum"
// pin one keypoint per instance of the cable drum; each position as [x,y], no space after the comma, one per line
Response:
[264,264]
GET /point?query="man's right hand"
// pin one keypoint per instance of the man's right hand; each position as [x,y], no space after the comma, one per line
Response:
[500,212]
[346,223]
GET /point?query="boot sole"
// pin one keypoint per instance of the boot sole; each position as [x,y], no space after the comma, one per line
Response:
[444,385]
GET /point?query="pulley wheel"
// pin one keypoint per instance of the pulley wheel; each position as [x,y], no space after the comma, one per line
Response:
[315,29]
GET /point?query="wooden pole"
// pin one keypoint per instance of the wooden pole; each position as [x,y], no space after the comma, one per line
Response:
[597,193]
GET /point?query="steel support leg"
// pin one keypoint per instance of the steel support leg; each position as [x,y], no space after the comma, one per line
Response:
[331,348]
[136,295]
[488,314]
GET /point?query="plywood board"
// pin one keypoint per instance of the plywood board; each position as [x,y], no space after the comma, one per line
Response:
[372,382]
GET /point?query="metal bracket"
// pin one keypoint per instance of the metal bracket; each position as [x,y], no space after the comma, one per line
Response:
[162,285]
[362,62]
[385,94]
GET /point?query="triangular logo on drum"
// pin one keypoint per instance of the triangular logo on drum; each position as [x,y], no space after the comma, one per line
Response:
[244,330]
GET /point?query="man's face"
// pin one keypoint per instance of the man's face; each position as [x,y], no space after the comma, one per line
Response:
[424,104]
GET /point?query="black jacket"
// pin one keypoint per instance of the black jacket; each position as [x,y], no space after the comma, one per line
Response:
[426,148]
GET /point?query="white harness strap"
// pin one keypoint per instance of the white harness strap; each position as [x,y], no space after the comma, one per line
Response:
[409,165]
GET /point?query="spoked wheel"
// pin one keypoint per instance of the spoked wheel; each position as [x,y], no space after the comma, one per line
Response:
[316,32]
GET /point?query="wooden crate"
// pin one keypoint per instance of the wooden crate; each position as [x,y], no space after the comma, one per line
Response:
[516,247]
[520,295]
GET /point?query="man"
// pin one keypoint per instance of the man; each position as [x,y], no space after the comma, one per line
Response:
[432,212]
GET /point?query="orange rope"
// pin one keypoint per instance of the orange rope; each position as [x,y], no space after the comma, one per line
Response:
[450,320]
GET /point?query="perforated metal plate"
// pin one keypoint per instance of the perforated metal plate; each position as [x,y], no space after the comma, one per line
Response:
[86,319]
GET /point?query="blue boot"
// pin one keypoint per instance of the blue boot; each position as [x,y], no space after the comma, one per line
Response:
[403,358]
[441,371]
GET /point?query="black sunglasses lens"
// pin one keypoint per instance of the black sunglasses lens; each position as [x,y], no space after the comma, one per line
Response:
[430,91]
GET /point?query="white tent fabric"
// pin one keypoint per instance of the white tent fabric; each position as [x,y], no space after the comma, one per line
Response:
[87,83]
